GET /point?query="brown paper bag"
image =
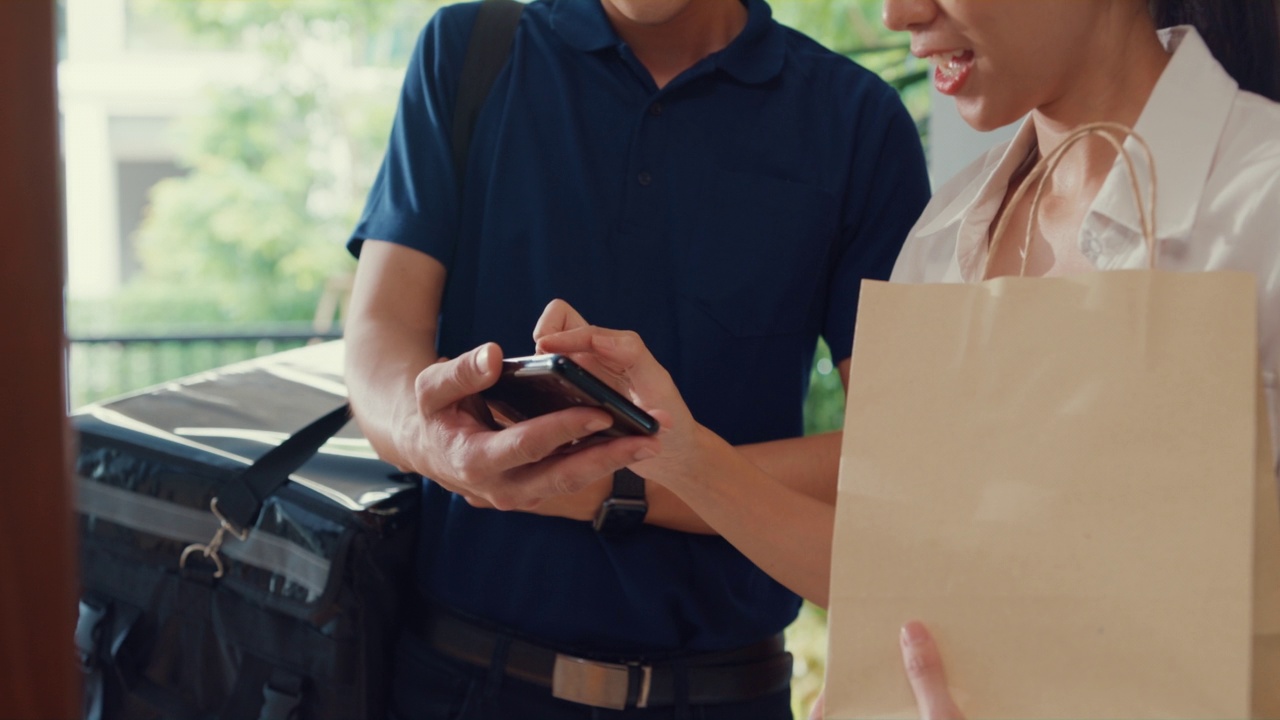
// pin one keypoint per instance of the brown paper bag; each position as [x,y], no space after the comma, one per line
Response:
[1060,477]
[1266,575]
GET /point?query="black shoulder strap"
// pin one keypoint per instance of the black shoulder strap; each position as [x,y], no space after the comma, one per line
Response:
[487,53]
[241,499]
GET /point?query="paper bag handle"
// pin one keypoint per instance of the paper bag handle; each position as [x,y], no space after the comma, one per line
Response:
[1040,173]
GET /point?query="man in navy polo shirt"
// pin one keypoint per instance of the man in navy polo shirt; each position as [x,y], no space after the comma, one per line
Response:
[688,169]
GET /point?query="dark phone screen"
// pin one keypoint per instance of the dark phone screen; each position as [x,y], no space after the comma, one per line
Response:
[541,384]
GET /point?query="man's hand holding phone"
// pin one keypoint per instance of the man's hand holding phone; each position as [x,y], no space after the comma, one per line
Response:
[512,467]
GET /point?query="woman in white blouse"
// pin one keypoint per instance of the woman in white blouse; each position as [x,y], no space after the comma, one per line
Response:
[1216,148]
[1059,63]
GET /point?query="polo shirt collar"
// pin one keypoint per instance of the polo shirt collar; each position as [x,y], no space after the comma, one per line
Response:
[756,55]
[583,24]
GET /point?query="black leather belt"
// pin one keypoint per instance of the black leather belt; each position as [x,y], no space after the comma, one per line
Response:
[708,678]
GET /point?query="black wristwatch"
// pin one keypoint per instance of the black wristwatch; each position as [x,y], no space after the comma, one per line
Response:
[622,513]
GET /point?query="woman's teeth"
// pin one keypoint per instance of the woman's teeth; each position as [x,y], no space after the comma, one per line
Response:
[950,64]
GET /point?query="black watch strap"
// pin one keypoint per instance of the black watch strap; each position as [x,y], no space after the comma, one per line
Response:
[628,485]
[624,511]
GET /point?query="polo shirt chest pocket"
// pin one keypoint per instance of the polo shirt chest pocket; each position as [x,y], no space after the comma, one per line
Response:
[755,261]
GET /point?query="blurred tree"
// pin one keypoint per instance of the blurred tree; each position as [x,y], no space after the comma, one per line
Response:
[255,222]
[277,169]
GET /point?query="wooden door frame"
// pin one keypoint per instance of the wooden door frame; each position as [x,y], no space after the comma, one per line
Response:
[38,674]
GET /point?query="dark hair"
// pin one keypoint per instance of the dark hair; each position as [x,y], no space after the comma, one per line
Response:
[1244,36]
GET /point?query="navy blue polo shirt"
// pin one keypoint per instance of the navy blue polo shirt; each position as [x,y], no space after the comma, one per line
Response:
[728,217]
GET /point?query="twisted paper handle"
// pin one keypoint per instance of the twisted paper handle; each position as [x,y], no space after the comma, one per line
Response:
[1113,133]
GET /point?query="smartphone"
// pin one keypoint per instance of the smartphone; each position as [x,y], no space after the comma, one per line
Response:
[540,384]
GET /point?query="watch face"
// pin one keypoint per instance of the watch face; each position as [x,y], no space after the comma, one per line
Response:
[620,515]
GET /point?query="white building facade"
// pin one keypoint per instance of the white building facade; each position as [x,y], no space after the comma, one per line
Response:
[119,96]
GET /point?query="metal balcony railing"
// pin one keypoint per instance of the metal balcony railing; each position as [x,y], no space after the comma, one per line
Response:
[104,366]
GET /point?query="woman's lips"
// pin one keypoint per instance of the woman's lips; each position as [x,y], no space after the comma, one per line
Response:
[951,69]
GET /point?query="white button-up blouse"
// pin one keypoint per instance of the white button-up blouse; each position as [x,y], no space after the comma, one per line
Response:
[1217,159]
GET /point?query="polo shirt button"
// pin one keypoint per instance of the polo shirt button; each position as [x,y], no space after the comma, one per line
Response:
[644,178]
[655,109]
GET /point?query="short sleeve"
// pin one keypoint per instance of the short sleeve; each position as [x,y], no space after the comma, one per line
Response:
[889,188]
[414,198]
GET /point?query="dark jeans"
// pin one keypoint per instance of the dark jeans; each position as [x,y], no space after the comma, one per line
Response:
[429,686]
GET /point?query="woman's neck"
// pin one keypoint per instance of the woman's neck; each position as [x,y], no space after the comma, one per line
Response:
[1113,82]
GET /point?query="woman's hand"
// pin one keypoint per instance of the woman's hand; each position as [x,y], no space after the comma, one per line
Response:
[620,358]
[928,681]
[923,664]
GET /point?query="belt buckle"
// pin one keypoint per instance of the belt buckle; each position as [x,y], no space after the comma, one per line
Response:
[598,684]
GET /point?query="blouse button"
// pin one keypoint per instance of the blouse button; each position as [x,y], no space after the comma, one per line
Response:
[1092,245]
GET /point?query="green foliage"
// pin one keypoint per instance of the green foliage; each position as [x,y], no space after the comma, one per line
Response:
[842,25]
[853,28]
[824,407]
[807,636]
[378,32]
[244,221]
[807,642]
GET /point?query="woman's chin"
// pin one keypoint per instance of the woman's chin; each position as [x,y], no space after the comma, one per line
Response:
[982,117]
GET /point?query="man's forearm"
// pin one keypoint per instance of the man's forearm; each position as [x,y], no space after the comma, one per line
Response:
[382,364]
[390,335]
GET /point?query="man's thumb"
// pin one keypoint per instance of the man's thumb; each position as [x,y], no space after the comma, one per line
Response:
[447,383]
